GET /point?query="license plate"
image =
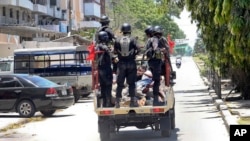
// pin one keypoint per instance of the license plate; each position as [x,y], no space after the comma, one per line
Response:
[64,92]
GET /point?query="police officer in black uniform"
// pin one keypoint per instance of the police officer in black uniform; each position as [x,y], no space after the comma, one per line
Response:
[126,48]
[149,31]
[156,47]
[103,59]
[104,21]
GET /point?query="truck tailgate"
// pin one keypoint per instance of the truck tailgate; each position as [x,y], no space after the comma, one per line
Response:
[128,110]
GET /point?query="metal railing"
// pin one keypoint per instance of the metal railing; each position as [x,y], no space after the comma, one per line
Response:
[214,79]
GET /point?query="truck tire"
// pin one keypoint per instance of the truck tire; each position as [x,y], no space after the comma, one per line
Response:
[172,118]
[76,94]
[104,136]
[104,128]
[165,125]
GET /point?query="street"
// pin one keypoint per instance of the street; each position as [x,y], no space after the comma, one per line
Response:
[197,119]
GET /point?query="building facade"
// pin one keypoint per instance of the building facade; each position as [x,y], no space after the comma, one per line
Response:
[44,20]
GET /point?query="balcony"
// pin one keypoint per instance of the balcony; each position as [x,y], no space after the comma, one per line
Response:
[24,4]
[57,13]
[92,9]
[89,24]
[40,8]
[50,11]
[7,21]
[55,28]
[27,4]
[9,2]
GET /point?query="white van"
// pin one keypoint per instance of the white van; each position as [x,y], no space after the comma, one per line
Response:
[7,65]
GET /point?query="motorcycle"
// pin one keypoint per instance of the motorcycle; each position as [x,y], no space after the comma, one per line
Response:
[178,63]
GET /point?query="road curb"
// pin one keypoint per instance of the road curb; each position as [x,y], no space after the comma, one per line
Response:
[227,117]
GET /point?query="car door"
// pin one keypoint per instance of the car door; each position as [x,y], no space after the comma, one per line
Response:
[10,89]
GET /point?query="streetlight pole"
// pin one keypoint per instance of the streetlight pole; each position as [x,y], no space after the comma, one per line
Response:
[70,18]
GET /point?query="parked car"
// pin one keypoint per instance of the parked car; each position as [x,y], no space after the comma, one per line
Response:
[27,94]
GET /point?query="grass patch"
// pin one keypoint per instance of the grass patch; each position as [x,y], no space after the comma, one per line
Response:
[201,64]
[244,121]
[22,122]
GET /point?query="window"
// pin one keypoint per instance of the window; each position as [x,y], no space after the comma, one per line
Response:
[9,82]
[11,13]
[17,16]
[4,11]
[23,15]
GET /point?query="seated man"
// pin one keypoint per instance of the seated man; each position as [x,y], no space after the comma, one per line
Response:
[143,88]
[146,77]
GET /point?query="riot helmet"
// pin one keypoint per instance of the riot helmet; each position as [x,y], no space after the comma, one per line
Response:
[104,20]
[149,30]
[126,28]
[103,36]
[157,30]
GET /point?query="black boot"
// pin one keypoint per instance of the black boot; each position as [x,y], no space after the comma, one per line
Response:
[156,102]
[117,102]
[107,102]
[133,102]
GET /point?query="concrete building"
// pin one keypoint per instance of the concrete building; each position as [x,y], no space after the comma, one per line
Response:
[44,20]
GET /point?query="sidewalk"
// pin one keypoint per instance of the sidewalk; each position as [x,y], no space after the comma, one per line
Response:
[233,110]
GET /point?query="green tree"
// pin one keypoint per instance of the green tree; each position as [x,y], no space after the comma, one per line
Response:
[224,26]
[199,46]
[141,13]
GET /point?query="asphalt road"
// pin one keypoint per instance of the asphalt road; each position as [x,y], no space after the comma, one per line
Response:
[197,119]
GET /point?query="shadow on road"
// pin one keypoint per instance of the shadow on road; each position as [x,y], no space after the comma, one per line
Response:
[143,135]
[10,116]
[58,116]
[191,91]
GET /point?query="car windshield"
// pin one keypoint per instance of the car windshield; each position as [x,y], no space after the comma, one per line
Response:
[39,81]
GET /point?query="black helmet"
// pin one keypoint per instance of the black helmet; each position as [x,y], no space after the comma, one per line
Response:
[104,20]
[126,28]
[158,30]
[149,30]
[103,36]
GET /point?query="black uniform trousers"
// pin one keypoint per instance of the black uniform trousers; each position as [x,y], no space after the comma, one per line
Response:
[155,65]
[105,80]
[126,69]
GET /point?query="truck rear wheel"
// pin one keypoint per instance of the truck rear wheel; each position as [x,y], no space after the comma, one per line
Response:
[173,118]
[104,136]
[165,125]
[104,128]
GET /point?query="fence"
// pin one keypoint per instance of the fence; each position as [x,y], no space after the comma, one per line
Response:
[214,81]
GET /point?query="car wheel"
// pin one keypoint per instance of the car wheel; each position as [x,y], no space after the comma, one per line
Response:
[48,113]
[26,108]
[86,95]
[76,94]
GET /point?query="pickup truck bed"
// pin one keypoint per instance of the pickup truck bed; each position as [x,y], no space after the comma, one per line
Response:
[159,118]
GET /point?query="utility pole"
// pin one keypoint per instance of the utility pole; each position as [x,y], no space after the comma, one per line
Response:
[70,18]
